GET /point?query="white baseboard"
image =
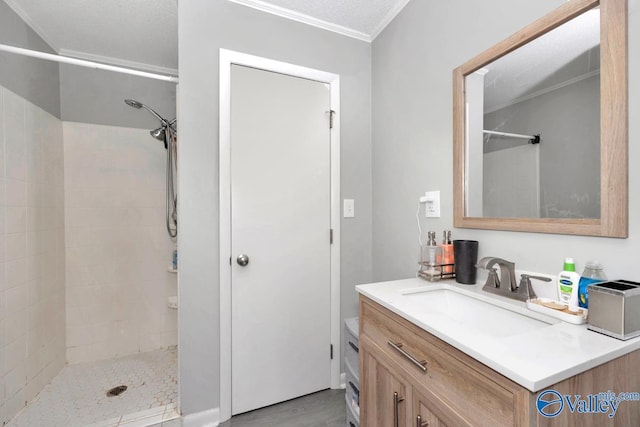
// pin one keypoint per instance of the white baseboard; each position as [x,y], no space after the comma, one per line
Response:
[208,418]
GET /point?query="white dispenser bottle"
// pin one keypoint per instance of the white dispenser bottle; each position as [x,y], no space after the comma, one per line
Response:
[568,281]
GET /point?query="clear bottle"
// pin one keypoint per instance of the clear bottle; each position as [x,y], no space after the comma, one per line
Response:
[430,253]
[593,273]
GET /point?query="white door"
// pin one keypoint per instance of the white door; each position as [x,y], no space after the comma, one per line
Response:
[280,219]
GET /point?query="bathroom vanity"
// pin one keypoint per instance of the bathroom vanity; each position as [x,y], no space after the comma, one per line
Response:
[449,354]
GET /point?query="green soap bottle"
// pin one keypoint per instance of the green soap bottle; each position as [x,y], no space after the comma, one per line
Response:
[568,281]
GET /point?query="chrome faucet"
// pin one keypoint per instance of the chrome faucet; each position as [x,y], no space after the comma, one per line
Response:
[505,285]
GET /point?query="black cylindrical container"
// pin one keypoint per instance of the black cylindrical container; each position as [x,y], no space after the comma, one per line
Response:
[465,253]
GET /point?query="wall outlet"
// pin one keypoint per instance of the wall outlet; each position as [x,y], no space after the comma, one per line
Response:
[432,204]
[348,208]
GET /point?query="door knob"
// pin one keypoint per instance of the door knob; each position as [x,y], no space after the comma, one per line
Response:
[243,260]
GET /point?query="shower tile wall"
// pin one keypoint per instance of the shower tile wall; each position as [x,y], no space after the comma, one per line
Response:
[32,292]
[117,247]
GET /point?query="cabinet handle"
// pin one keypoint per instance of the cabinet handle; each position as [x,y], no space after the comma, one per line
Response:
[354,347]
[420,423]
[396,400]
[422,364]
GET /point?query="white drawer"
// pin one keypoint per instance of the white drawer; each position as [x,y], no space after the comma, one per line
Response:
[351,345]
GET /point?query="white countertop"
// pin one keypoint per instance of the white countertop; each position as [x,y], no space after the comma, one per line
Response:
[535,358]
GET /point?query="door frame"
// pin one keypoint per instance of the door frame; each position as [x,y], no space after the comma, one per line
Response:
[228,58]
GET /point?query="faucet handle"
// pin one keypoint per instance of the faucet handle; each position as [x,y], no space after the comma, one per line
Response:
[492,279]
[525,284]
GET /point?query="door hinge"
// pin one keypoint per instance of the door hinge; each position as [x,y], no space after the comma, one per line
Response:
[331,236]
[331,114]
[331,351]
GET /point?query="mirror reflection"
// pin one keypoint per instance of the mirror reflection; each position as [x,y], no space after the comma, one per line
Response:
[532,128]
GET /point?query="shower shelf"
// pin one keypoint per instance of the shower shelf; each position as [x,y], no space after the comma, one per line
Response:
[172,302]
[172,270]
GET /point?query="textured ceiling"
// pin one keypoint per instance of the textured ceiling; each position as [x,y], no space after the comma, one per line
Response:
[144,33]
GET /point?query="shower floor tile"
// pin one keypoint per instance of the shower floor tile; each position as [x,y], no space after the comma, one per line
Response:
[77,397]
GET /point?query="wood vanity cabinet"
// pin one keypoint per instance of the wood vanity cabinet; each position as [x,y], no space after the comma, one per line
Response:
[410,378]
[393,401]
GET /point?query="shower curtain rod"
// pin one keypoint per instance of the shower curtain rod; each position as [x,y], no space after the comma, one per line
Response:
[533,139]
[84,63]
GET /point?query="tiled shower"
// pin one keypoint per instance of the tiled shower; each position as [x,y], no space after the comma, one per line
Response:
[83,247]
[32,270]
[117,249]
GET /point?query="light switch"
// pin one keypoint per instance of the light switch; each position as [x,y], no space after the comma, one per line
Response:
[432,204]
[349,209]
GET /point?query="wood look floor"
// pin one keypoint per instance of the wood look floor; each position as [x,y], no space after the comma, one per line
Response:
[322,409]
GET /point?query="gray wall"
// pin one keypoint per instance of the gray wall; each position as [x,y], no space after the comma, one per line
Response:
[205,26]
[412,136]
[35,80]
[96,96]
[568,120]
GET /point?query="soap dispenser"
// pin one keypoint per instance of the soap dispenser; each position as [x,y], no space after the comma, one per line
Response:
[431,252]
[447,253]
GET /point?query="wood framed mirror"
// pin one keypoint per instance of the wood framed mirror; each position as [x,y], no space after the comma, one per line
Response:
[475,197]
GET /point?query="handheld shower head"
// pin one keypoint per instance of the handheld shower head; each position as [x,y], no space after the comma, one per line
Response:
[166,133]
[133,103]
[138,105]
[161,132]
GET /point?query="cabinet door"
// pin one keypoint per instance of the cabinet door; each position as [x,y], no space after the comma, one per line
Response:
[429,411]
[384,397]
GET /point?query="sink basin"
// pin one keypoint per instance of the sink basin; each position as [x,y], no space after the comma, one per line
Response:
[474,313]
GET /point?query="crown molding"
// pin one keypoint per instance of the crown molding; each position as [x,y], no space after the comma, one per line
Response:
[305,19]
[390,16]
[31,23]
[119,62]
